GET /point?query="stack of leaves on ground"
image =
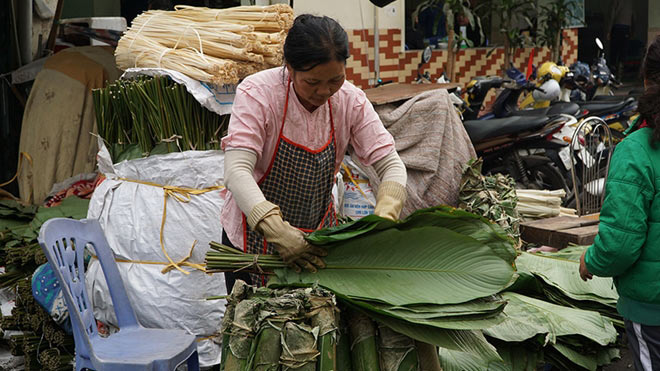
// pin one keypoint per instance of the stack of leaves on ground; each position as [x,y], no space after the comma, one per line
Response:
[552,316]
[20,253]
[555,276]
[431,277]
[154,115]
[537,332]
[442,276]
[37,337]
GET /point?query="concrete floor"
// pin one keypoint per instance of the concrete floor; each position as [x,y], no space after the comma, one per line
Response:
[626,361]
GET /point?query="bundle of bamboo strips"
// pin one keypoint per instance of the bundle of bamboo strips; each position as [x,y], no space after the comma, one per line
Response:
[533,203]
[270,18]
[219,46]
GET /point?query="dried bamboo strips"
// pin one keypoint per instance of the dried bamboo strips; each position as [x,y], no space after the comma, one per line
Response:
[270,18]
[218,46]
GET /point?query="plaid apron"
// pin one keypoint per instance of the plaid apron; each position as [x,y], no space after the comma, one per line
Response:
[299,180]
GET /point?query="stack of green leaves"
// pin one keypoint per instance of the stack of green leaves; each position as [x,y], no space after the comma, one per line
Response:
[154,115]
[555,276]
[492,196]
[535,332]
[552,316]
[444,276]
[20,253]
[14,219]
[43,343]
[432,277]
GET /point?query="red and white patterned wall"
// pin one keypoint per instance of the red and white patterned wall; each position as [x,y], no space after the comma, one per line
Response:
[402,67]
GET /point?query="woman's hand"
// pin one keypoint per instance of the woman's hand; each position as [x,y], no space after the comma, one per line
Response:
[291,245]
[584,272]
[390,199]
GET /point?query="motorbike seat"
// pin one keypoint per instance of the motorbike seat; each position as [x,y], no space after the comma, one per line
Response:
[607,98]
[599,107]
[563,107]
[555,109]
[479,130]
[531,112]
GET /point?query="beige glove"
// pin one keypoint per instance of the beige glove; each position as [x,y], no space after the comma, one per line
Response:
[390,199]
[288,240]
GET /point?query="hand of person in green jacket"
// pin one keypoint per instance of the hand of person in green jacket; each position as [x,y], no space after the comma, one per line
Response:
[584,271]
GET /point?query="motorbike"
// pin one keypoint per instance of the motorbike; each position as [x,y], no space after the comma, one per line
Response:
[517,146]
[592,89]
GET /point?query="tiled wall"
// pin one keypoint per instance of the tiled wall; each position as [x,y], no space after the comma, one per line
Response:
[402,67]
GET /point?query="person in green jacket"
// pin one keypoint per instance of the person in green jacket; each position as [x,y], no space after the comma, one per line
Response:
[627,246]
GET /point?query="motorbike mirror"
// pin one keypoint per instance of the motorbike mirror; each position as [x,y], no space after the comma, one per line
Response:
[426,55]
[599,43]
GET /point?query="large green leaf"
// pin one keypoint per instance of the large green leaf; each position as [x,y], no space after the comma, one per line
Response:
[453,360]
[463,222]
[588,361]
[469,341]
[528,317]
[515,357]
[571,252]
[493,304]
[403,267]
[477,315]
[564,275]
[457,220]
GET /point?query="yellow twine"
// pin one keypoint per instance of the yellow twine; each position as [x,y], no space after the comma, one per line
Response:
[206,338]
[169,266]
[350,176]
[18,171]
[181,194]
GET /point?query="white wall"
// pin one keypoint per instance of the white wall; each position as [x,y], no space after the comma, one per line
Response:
[355,14]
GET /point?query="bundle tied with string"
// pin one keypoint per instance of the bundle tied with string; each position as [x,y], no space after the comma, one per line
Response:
[218,46]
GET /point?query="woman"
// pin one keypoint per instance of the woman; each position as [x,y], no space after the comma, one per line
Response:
[628,243]
[289,129]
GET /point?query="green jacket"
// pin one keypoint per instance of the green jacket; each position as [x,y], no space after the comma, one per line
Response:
[628,243]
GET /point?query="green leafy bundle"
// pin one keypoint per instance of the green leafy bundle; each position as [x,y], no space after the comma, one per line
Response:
[556,277]
[43,343]
[492,196]
[432,277]
[20,253]
[552,316]
[154,115]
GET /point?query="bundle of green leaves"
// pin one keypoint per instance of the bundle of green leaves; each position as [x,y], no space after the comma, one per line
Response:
[552,316]
[492,196]
[447,277]
[154,115]
[554,275]
[20,253]
[432,276]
